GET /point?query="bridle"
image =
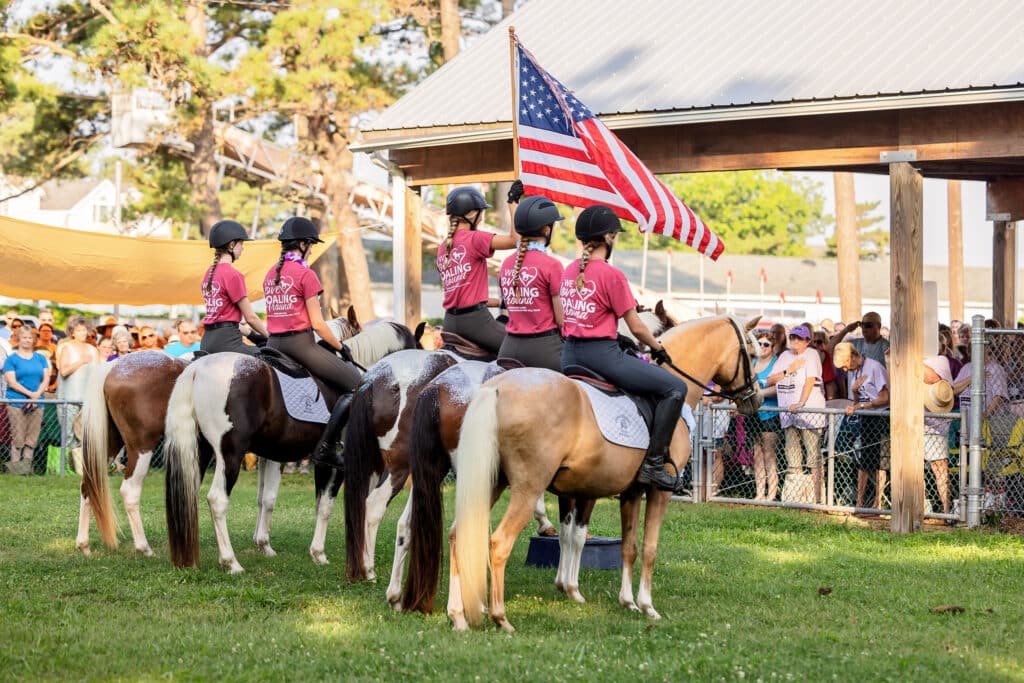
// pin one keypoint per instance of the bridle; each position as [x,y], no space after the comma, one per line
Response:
[746,391]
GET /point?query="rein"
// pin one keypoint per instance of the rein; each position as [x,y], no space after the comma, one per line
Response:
[746,390]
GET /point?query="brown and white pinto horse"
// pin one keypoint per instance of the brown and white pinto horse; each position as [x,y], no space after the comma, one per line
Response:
[223,406]
[127,406]
[545,437]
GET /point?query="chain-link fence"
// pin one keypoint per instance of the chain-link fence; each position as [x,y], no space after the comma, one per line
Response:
[37,438]
[833,461]
[997,385]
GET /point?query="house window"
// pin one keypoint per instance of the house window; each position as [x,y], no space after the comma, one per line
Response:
[103,213]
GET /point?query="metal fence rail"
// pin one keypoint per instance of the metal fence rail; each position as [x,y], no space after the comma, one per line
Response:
[49,432]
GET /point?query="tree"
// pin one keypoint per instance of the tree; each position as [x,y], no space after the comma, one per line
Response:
[872,233]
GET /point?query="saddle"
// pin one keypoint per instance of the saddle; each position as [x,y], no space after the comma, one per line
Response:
[464,348]
[644,405]
[285,364]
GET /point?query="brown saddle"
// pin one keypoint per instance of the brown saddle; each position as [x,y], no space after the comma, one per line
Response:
[463,347]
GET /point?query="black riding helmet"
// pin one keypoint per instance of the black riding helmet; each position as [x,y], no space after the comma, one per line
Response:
[224,233]
[595,221]
[299,228]
[534,214]
[462,200]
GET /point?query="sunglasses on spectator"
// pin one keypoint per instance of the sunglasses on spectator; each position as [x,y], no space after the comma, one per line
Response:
[765,344]
[868,325]
[147,336]
[818,342]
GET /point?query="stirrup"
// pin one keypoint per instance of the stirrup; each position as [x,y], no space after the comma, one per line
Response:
[331,458]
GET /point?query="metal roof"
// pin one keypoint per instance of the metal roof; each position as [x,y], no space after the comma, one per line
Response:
[731,58]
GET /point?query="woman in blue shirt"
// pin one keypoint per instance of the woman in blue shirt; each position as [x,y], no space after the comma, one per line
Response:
[766,444]
[27,374]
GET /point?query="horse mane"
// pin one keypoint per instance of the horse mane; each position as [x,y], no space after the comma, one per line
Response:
[377,341]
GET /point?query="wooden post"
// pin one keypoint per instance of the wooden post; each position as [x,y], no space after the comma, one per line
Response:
[413,259]
[1004,273]
[847,248]
[956,250]
[906,373]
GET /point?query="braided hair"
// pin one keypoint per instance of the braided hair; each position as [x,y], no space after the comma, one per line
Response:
[218,253]
[524,246]
[449,240]
[588,249]
[286,246]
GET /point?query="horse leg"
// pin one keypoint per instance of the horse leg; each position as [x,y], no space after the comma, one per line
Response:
[456,608]
[376,504]
[657,504]
[578,540]
[629,513]
[517,516]
[566,521]
[84,513]
[131,494]
[326,495]
[269,474]
[394,592]
[224,477]
[540,513]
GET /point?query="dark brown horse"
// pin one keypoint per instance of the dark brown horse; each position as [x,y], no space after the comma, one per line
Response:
[224,406]
[127,406]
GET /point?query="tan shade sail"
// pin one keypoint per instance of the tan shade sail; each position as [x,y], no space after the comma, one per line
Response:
[77,267]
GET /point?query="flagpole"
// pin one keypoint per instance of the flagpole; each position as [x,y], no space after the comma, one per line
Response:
[643,263]
[515,101]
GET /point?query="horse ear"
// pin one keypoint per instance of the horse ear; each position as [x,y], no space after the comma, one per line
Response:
[418,334]
[752,323]
[659,308]
[352,317]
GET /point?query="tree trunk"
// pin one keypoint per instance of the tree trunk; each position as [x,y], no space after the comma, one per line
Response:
[203,176]
[451,28]
[847,248]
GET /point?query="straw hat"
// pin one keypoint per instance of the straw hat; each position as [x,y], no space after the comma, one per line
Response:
[938,397]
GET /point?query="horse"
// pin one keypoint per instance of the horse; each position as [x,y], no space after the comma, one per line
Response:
[225,405]
[126,406]
[546,437]
[384,444]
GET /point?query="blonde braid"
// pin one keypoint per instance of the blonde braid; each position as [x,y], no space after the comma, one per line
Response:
[588,249]
[280,264]
[217,254]
[524,244]
[449,240]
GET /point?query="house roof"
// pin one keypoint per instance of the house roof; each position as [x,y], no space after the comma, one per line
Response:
[730,58]
[61,195]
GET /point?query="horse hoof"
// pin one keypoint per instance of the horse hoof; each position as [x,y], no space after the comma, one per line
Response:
[548,531]
[268,551]
[146,551]
[232,566]
[319,557]
[577,596]
[630,605]
[651,612]
[459,624]
[505,625]
[395,602]
[371,575]
[85,550]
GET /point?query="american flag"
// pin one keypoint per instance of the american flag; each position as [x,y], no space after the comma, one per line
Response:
[568,155]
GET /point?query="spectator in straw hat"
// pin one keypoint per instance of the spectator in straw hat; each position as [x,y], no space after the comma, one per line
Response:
[938,398]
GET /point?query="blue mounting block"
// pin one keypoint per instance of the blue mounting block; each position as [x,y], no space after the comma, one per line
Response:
[600,552]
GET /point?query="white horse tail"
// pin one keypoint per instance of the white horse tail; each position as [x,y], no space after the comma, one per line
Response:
[97,447]
[476,466]
[181,464]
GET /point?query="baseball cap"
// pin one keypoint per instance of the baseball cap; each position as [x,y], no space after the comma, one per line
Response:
[800,331]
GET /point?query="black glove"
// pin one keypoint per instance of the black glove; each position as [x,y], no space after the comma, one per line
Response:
[345,354]
[626,344]
[660,356]
[257,338]
[516,192]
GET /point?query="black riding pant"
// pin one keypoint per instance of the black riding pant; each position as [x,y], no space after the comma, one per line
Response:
[534,352]
[325,365]
[627,372]
[477,326]
[227,338]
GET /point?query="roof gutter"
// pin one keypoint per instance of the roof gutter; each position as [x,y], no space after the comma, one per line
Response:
[709,115]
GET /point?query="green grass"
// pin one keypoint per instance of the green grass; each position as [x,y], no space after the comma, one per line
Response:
[737,589]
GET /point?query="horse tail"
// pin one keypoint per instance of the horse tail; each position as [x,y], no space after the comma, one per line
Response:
[362,459]
[476,467]
[181,463]
[418,334]
[97,428]
[429,464]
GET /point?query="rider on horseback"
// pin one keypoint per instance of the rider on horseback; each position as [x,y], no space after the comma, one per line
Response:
[293,312]
[462,263]
[225,294]
[529,282]
[594,296]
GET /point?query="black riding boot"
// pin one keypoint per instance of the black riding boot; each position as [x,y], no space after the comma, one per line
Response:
[666,415]
[330,450]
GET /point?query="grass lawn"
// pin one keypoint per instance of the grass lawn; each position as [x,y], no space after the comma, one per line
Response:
[738,590]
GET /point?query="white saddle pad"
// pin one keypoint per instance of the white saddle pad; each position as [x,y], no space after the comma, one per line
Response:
[303,399]
[618,418]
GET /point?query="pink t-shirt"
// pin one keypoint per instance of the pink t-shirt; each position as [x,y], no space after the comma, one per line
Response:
[529,301]
[594,313]
[286,301]
[464,277]
[226,290]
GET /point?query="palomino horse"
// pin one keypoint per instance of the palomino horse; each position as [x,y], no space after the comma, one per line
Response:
[384,443]
[545,437]
[126,405]
[223,406]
